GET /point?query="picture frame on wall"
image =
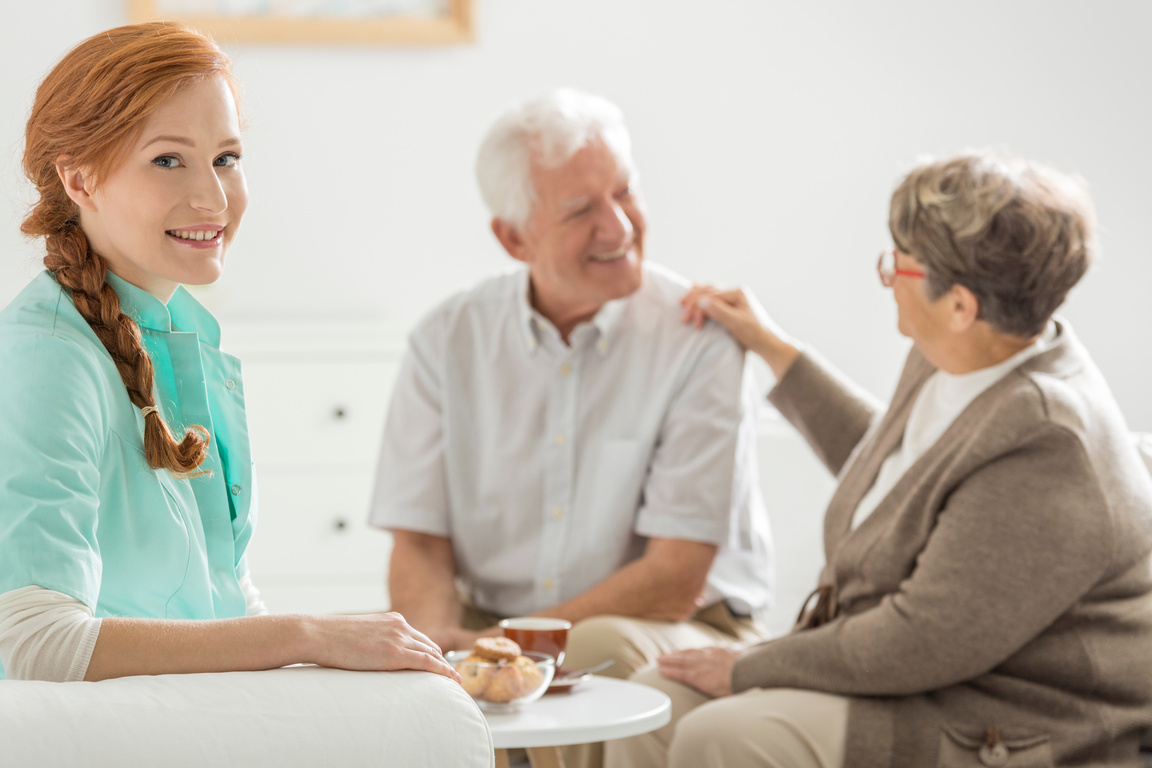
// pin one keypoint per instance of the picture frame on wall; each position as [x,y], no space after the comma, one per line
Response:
[366,22]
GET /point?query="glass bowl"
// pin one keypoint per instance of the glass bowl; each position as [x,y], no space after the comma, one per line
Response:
[504,686]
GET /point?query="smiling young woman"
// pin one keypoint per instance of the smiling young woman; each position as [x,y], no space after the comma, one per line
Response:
[124,545]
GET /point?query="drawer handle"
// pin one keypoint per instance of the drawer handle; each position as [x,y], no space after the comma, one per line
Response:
[341,524]
[340,412]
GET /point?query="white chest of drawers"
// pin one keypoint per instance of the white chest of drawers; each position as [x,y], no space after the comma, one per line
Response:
[316,398]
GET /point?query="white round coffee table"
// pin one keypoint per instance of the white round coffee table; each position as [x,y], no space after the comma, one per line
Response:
[599,710]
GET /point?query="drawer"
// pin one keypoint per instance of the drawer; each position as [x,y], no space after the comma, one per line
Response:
[317,414]
[316,526]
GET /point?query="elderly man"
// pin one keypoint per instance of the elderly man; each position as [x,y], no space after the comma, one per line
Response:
[559,443]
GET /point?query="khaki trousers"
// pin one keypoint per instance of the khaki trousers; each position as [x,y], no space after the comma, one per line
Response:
[774,728]
[633,644]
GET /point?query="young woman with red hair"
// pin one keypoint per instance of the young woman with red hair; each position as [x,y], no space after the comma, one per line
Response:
[126,486]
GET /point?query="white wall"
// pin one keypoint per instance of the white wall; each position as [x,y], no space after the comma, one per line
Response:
[769,136]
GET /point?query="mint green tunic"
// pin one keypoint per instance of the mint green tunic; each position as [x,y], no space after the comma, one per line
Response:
[80,510]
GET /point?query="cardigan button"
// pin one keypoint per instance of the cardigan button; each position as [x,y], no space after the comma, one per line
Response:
[995,755]
[236,490]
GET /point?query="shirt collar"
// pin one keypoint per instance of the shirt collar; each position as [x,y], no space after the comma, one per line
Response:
[182,312]
[528,315]
[604,321]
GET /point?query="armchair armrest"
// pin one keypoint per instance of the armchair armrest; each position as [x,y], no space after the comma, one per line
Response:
[296,716]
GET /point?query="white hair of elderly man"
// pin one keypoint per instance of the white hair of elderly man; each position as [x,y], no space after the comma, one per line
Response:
[548,129]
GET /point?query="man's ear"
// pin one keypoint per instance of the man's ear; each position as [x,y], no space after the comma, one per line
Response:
[77,183]
[964,306]
[510,237]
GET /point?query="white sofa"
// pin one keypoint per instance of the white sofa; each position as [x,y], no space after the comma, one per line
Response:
[297,716]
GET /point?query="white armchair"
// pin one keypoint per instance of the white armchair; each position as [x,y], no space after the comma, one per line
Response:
[297,716]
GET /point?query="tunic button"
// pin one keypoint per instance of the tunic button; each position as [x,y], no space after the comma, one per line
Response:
[547,584]
[602,346]
[236,490]
[557,512]
[560,439]
[565,369]
[230,384]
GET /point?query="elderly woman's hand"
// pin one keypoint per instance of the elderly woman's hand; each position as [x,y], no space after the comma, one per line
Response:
[743,317]
[708,670]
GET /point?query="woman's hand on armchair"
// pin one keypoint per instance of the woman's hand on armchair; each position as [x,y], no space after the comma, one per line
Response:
[377,641]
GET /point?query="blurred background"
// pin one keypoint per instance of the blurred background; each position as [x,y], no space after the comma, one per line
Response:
[769,136]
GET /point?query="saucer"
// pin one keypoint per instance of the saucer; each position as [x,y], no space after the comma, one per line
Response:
[564,686]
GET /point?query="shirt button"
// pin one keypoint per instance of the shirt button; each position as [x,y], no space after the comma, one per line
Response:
[547,584]
[557,512]
[565,369]
[236,490]
[230,384]
[560,439]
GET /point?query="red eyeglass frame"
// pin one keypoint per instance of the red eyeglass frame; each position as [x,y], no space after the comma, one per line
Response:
[888,276]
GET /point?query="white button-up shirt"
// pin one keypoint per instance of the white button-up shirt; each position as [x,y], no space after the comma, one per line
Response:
[549,465]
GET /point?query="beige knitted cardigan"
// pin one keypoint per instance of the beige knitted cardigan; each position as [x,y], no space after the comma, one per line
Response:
[998,602]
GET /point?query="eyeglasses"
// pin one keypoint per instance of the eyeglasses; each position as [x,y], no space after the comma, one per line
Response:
[886,268]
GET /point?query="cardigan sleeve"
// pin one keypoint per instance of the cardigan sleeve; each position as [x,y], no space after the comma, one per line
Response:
[1015,545]
[828,409]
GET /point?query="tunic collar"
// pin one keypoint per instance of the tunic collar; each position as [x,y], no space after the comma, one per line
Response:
[182,312]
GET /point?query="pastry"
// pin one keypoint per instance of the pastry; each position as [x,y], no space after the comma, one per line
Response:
[495,649]
[506,685]
[530,673]
[474,677]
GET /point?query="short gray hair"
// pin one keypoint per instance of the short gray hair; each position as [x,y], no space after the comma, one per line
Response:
[1017,234]
[549,129]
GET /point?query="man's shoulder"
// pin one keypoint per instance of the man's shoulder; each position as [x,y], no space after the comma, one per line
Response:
[663,286]
[657,308]
[488,300]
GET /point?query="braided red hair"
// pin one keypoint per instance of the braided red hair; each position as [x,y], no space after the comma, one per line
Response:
[88,110]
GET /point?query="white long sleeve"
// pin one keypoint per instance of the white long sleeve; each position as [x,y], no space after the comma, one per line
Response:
[253,601]
[46,635]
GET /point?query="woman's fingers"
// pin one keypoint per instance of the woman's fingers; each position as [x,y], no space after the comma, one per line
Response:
[708,670]
[692,314]
[378,642]
[424,662]
[408,648]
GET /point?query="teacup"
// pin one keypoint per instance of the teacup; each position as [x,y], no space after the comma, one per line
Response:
[538,633]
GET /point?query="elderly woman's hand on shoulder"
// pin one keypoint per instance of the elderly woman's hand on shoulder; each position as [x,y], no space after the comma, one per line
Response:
[738,311]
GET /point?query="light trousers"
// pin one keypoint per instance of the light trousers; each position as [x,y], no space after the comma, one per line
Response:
[774,728]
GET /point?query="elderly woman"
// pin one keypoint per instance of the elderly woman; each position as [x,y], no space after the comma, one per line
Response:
[987,597]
